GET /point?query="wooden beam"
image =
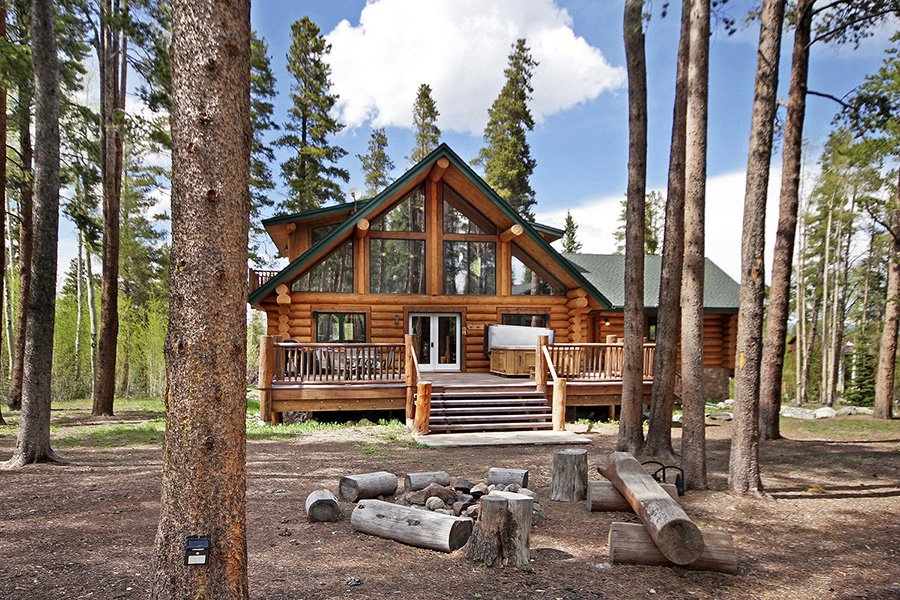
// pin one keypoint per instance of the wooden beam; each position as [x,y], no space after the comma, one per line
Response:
[423,408]
[266,372]
[513,232]
[362,226]
[559,405]
[576,293]
[437,171]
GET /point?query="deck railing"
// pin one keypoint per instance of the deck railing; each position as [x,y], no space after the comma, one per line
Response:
[298,362]
[259,277]
[595,362]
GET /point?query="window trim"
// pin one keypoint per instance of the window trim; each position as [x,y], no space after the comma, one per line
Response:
[341,314]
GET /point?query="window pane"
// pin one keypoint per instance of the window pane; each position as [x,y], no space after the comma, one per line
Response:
[397,266]
[355,327]
[460,217]
[407,215]
[525,320]
[334,273]
[340,327]
[327,328]
[470,268]
[530,280]
[321,231]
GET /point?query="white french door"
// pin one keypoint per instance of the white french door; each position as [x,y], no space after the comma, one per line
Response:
[438,336]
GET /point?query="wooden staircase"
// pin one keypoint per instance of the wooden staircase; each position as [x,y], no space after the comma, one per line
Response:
[512,407]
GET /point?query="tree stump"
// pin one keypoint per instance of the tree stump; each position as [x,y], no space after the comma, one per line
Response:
[420,481]
[367,485]
[630,543]
[413,526]
[498,476]
[521,511]
[677,537]
[492,532]
[569,480]
[603,496]
[322,506]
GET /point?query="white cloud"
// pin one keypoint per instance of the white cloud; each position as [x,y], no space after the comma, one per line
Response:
[597,220]
[459,48]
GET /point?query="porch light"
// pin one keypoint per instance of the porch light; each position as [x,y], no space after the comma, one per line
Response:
[196,552]
[606,322]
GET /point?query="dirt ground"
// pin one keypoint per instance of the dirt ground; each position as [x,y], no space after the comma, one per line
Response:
[830,529]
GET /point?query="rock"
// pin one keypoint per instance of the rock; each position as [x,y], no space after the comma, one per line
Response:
[479,490]
[445,511]
[826,412]
[446,495]
[275,491]
[465,498]
[434,503]
[352,581]
[721,405]
[722,416]
[677,418]
[537,513]
[794,412]
[728,402]
[854,410]
[473,511]
[364,423]
[403,500]
[462,485]
[458,507]
[525,491]
[513,487]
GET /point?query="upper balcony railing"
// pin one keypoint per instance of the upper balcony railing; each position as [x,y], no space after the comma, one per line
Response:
[258,277]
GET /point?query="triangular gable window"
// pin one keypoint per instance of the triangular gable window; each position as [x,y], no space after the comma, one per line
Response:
[334,273]
[461,217]
[530,279]
[407,215]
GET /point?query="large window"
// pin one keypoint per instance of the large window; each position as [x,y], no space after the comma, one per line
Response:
[460,217]
[525,319]
[407,215]
[334,273]
[396,266]
[340,327]
[470,268]
[529,279]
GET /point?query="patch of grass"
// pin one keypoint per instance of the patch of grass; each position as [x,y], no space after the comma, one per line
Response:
[257,430]
[843,427]
[125,434]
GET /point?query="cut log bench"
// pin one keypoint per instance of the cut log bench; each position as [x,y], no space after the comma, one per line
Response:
[413,526]
[673,532]
[420,481]
[498,476]
[630,543]
[603,496]
[322,506]
[569,480]
[367,485]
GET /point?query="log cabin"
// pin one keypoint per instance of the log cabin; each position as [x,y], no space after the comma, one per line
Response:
[392,303]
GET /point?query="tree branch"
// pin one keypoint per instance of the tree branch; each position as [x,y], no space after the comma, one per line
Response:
[829,96]
[831,32]
[886,225]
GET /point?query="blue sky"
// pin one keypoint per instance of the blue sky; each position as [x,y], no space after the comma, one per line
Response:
[383,49]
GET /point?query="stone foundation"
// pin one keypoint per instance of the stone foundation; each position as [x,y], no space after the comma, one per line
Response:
[715,381]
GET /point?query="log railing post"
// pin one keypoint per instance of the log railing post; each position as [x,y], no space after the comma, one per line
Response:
[409,364]
[266,373]
[559,405]
[540,363]
[423,408]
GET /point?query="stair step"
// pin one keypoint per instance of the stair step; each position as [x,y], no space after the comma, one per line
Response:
[436,428]
[453,402]
[491,409]
[493,394]
[453,419]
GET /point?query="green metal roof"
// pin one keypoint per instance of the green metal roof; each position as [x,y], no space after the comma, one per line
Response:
[607,273]
[316,212]
[372,205]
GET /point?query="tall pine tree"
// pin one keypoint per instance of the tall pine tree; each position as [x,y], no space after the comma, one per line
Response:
[425,114]
[376,164]
[262,94]
[506,156]
[312,174]
[570,243]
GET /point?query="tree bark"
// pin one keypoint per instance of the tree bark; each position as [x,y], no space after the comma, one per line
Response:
[668,323]
[693,435]
[569,478]
[7,309]
[3,78]
[887,353]
[79,270]
[631,544]
[112,63]
[782,258]
[631,431]
[743,466]
[26,199]
[206,350]
[413,526]
[33,443]
[92,310]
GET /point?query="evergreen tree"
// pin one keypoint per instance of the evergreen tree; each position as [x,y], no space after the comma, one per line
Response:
[262,94]
[654,210]
[312,174]
[425,114]
[376,164]
[506,156]
[570,243]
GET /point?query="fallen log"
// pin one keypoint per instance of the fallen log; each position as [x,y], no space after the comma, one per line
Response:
[419,481]
[603,496]
[367,485]
[521,511]
[416,527]
[322,506]
[568,483]
[630,544]
[677,537]
[498,476]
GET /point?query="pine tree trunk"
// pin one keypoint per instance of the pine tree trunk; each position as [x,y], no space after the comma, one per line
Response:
[887,353]
[800,337]
[826,330]
[3,78]
[26,198]
[811,342]
[743,466]
[693,436]
[668,323]
[111,105]
[631,432]
[782,258]
[92,311]
[8,277]
[78,303]
[206,349]
[33,443]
